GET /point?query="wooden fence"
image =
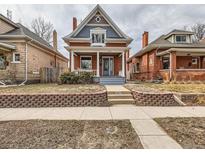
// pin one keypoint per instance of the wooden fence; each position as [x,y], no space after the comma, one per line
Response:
[50,75]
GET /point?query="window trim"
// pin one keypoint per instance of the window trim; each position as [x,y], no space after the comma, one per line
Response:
[180,41]
[13,59]
[91,62]
[194,60]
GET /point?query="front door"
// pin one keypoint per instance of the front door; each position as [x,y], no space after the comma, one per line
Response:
[107,66]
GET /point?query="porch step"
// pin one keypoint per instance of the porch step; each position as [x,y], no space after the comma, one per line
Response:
[112,80]
[119,92]
[121,101]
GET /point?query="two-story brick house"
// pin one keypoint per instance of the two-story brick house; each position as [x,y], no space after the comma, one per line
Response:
[98,45]
[173,56]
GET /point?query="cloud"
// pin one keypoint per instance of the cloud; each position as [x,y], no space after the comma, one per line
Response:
[132,19]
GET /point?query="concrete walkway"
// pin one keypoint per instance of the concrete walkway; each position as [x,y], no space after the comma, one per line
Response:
[141,118]
[119,88]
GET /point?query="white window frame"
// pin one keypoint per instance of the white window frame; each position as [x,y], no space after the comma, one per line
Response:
[14,55]
[98,31]
[91,62]
[194,60]
[180,41]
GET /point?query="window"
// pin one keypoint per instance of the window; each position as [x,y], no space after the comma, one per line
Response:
[150,61]
[2,62]
[16,58]
[181,39]
[86,62]
[98,19]
[98,38]
[194,60]
[165,62]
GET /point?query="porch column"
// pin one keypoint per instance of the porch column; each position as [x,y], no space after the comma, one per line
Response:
[72,61]
[123,64]
[98,65]
[173,65]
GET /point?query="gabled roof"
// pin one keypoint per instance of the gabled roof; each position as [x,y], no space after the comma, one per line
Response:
[10,22]
[162,43]
[99,9]
[22,31]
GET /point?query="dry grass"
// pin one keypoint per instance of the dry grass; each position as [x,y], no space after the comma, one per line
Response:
[188,132]
[183,88]
[53,88]
[52,134]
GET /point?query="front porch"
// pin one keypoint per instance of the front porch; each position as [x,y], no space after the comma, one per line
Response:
[109,64]
[182,64]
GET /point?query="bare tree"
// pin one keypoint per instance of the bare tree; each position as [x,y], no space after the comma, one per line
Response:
[199,30]
[42,28]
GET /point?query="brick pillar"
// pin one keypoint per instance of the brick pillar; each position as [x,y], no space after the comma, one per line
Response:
[201,62]
[173,65]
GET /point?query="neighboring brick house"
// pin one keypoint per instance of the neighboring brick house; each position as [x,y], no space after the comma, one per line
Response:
[97,45]
[23,53]
[173,56]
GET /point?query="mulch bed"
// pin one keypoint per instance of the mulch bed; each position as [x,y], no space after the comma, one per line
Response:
[68,134]
[188,132]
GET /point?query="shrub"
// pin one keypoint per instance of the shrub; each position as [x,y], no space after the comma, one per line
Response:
[76,78]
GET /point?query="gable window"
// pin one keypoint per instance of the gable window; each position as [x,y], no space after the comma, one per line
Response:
[181,39]
[16,58]
[86,62]
[98,36]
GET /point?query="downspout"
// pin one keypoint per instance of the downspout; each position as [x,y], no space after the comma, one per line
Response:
[26,62]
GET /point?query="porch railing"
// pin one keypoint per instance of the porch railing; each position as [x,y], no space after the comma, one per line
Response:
[79,71]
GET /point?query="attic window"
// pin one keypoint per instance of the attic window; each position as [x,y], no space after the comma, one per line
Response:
[97,19]
[181,39]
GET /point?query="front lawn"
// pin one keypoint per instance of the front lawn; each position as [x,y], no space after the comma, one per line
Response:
[53,88]
[68,134]
[188,132]
[182,88]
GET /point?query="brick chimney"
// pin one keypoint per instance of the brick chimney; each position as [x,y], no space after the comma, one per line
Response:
[74,23]
[55,40]
[145,37]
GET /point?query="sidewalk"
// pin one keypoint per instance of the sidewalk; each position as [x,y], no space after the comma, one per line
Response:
[151,135]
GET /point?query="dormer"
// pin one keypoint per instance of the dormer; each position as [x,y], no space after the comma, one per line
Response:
[179,36]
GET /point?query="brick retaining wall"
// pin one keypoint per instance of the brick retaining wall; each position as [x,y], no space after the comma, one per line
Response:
[154,99]
[192,99]
[53,100]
